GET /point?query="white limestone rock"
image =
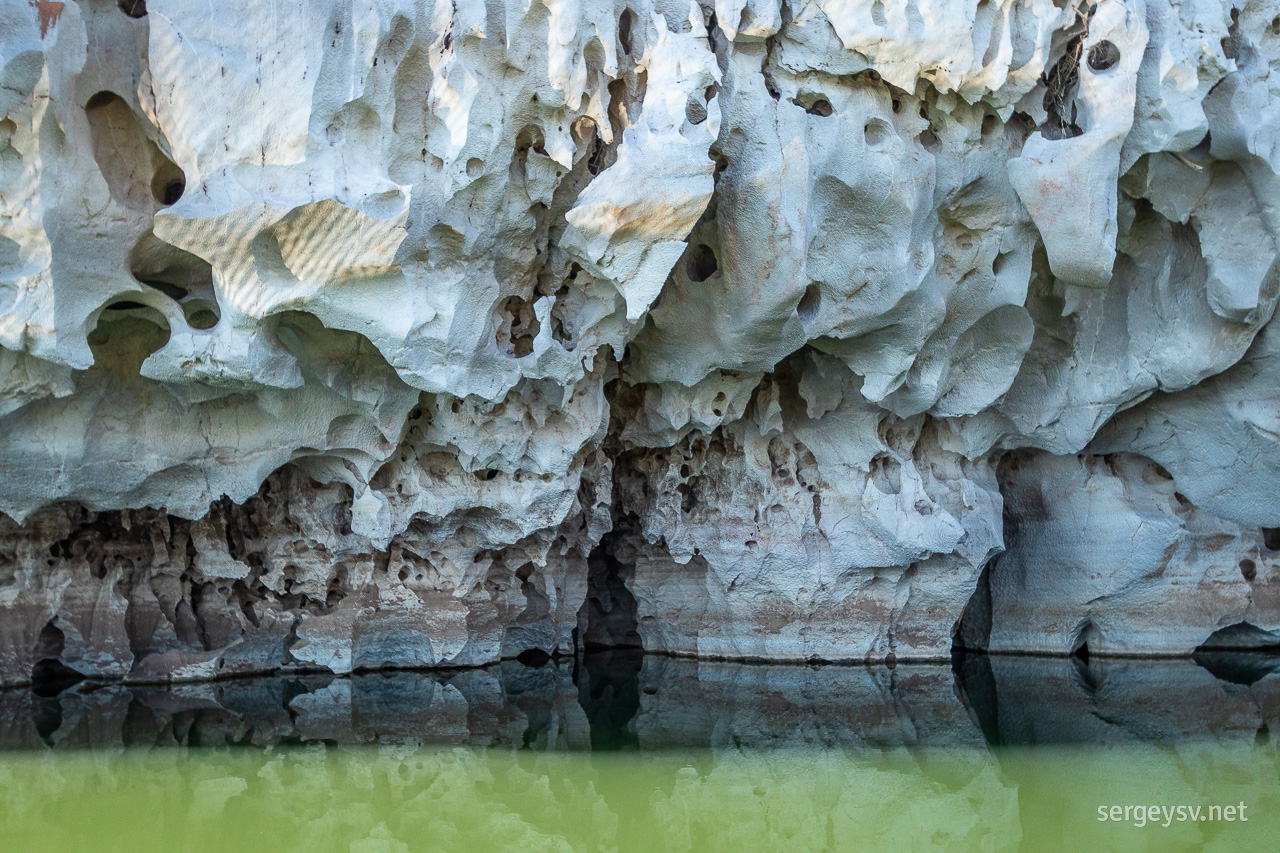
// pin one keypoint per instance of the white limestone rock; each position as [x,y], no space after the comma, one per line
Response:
[1219,439]
[436,268]
[1103,552]
[817,527]
[347,239]
[1067,173]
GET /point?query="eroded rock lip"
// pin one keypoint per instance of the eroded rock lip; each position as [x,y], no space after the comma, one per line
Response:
[442,333]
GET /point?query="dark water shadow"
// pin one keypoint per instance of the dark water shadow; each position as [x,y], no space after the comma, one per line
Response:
[1024,700]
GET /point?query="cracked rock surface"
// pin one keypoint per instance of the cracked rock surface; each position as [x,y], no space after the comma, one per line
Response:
[428,333]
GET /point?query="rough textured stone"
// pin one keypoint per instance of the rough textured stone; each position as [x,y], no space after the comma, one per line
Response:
[818,526]
[426,333]
[1153,573]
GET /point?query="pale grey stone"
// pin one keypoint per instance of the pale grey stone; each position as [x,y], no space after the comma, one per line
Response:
[422,333]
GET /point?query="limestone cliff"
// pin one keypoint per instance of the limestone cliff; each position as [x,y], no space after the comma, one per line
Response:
[411,333]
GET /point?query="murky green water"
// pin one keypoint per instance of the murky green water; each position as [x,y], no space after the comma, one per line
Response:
[645,754]
[466,798]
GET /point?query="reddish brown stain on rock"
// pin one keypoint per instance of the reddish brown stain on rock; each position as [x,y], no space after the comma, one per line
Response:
[49,12]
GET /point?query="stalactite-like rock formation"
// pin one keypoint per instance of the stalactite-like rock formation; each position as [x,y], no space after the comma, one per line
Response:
[416,333]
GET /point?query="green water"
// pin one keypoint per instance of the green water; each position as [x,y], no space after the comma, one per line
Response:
[639,753]
[460,799]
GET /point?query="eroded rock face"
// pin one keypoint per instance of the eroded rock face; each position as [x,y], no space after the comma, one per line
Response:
[816,526]
[428,333]
[1104,553]
[278,583]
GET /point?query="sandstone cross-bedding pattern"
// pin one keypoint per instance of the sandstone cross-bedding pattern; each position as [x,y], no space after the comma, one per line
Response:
[353,334]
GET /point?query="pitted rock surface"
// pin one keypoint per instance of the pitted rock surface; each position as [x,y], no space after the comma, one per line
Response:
[417,333]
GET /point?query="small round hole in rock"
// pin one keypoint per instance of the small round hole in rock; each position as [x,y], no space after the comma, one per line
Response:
[820,107]
[809,304]
[1249,569]
[172,191]
[201,314]
[168,181]
[877,132]
[1103,56]
[475,166]
[133,8]
[625,23]
[701,263]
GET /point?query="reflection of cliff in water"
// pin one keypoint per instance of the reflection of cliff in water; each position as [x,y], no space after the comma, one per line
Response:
[625,699]
[1022,700]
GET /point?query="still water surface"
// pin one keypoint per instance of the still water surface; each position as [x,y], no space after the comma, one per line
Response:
[634,753]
